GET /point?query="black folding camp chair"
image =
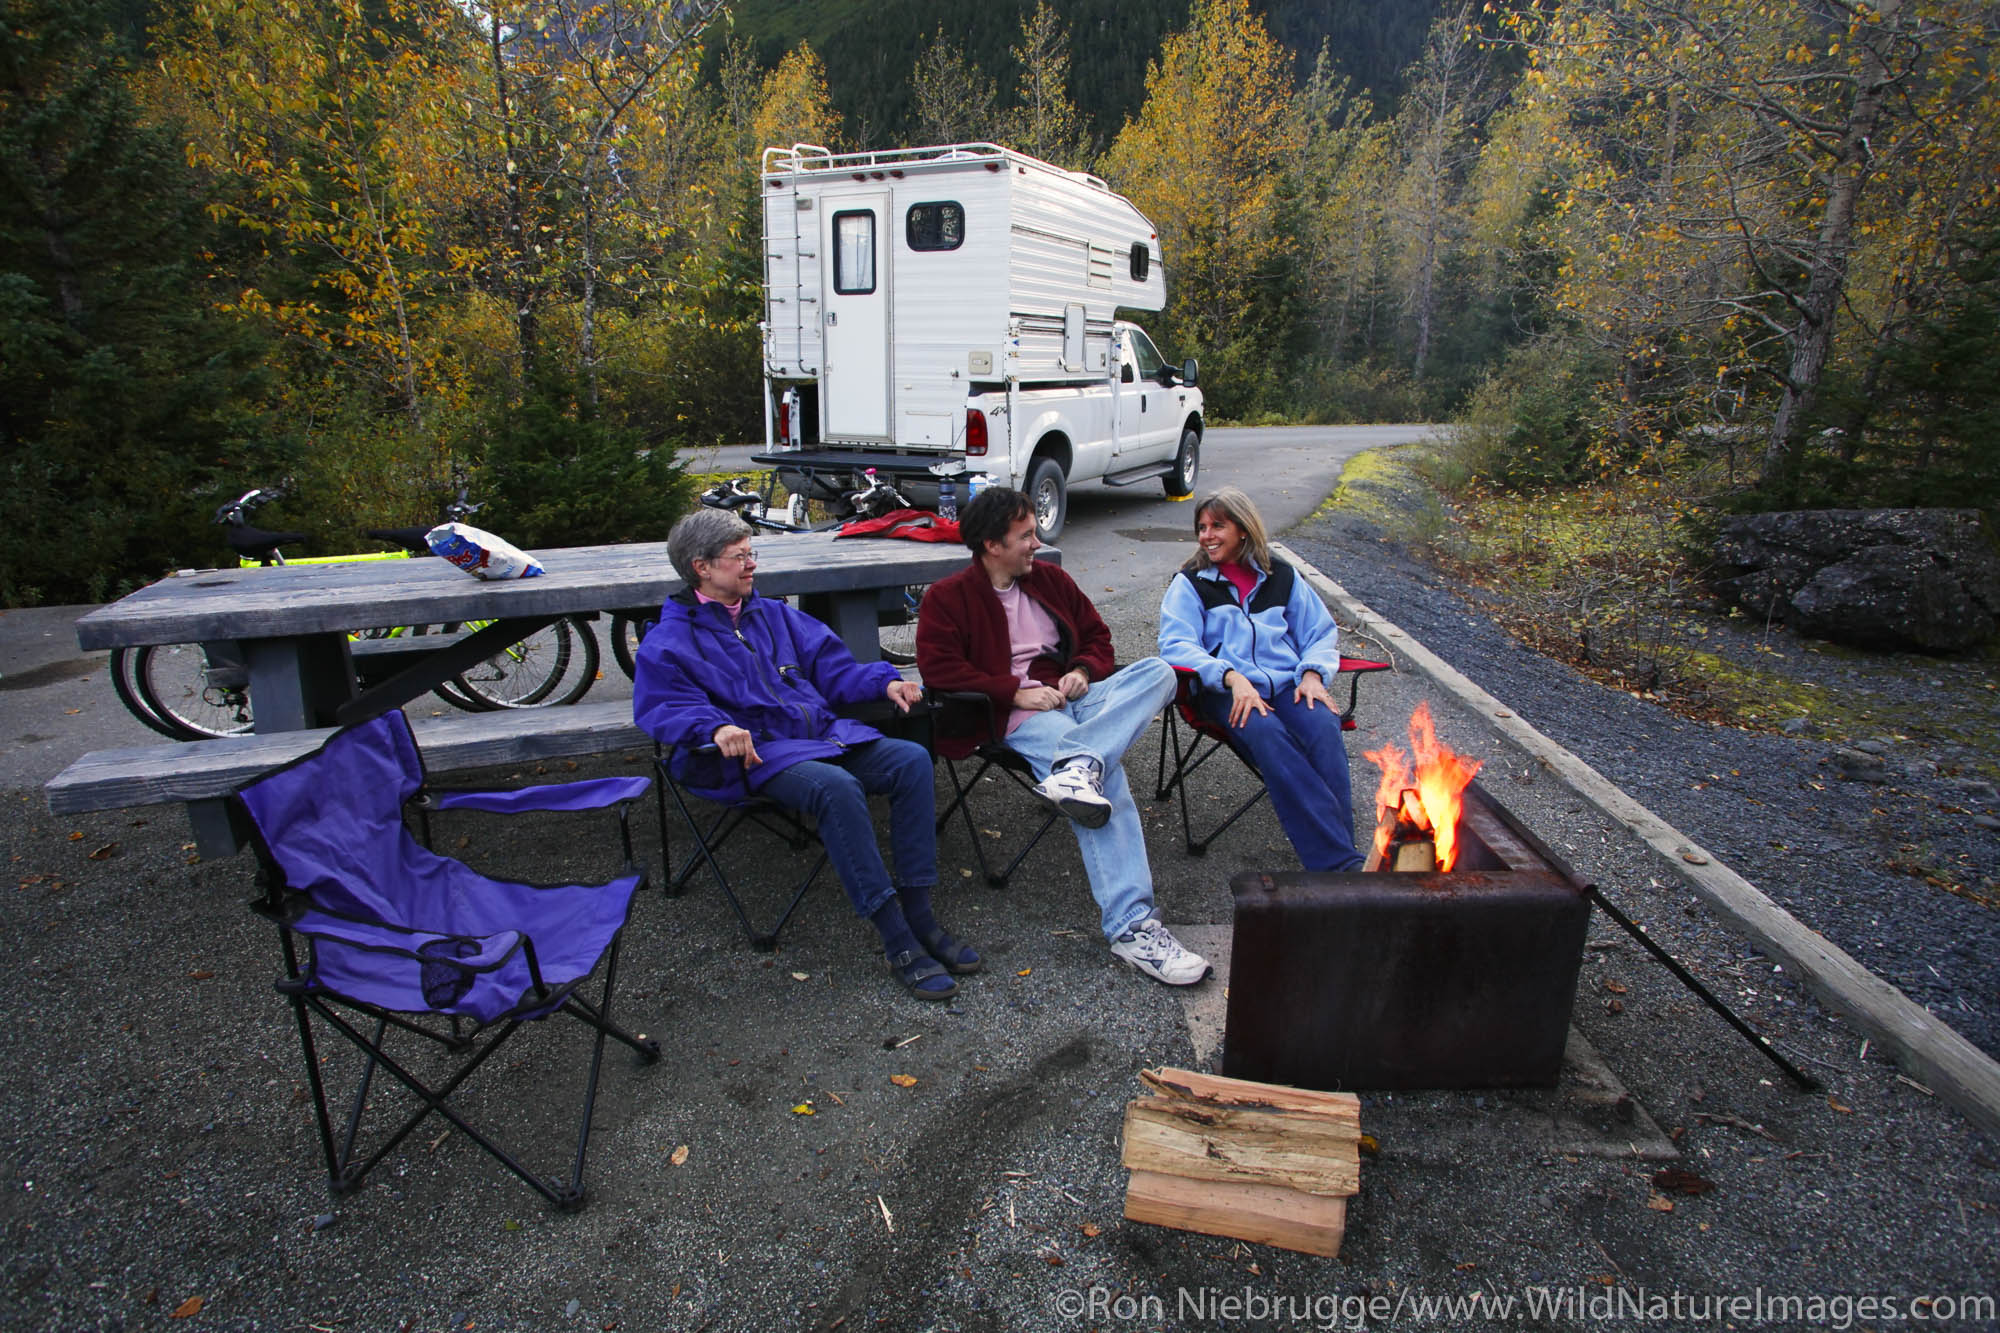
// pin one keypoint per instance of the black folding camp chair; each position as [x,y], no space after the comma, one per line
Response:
[971,711]
[376,927]
[706,767]
[1205,740]
[730,817]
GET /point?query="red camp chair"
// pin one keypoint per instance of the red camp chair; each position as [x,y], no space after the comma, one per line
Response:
[1206,739]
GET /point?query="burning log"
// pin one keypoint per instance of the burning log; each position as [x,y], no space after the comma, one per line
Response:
[1252,1161]
[1419,807]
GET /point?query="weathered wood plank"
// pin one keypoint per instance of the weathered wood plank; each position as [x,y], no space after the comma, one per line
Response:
[1261,1214]
[198,770]
[1343,1108]
[1302,1150]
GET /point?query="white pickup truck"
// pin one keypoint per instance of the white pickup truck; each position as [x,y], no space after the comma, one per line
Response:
[937,313]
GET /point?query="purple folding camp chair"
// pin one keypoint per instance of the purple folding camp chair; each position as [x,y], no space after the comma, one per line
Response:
[421,943]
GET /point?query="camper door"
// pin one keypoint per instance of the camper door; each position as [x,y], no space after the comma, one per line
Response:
[855,379]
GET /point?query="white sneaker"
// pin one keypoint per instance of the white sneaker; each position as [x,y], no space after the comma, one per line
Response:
[1152,948]
[1077,791]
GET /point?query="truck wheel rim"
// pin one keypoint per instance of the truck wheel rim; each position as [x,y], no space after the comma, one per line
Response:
[1045,504]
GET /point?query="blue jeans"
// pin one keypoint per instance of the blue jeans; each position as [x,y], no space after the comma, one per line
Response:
[1300,752]
[1102,725]
[835,793]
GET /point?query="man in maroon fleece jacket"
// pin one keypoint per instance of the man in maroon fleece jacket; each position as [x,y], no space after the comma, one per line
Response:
[1023,634]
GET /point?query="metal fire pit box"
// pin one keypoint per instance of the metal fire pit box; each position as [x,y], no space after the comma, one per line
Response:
[1394,980]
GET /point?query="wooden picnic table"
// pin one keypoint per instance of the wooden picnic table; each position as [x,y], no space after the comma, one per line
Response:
[292,621]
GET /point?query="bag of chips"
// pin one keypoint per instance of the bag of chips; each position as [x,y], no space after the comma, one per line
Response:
[480,553]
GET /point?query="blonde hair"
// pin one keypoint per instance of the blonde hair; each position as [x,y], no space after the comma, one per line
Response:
[1238,508]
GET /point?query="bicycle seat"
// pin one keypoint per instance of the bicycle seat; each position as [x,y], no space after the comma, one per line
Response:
[410,539]
[259,543]
[731,499]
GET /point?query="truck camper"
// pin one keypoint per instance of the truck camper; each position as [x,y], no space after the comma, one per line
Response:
[949,315]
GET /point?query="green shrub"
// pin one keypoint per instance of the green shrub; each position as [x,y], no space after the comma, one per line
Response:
[553,477]
[1529,423]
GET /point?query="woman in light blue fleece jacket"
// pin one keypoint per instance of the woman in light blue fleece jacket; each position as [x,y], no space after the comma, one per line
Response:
[1264,647]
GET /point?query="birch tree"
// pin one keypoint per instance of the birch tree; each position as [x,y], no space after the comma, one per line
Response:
[954,102]
[1731,167]
[1205,159]
[1045,122]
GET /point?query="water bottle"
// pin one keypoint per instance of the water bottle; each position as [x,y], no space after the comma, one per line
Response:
[947,500]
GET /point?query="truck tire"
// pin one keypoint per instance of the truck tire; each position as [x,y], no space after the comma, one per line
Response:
[1049,494]
[1179,483]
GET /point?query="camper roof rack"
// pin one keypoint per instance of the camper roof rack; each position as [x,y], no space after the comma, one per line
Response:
[802,158]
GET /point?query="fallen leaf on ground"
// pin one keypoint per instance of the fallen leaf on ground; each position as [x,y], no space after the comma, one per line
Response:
[1024,972]
[1736,1122]
[801,976]
[1660,1203]
[1615,987]
[903,1080]
[1679,1180]
[803,1108]
[1092,1229]
[200,976]
[104,853]
[187,1309]
[1844,1110]
[680,1156]
[1366,1143]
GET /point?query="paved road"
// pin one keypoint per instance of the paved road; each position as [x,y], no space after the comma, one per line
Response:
[57,703]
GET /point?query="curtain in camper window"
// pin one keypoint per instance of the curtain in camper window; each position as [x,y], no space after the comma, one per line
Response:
[854,253]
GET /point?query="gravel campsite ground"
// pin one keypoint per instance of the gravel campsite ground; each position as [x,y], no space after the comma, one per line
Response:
[818,1151]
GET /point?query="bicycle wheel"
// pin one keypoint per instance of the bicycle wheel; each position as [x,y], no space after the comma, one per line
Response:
[125,682]
[554,666]
[896,624]
[192,694]
[628,631]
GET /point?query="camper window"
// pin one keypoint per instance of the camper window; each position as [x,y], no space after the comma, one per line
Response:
[854,253]
[1142,261]
[939,226]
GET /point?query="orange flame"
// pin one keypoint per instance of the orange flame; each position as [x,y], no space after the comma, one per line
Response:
[1429,798]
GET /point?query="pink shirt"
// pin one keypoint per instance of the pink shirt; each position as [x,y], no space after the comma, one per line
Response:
[1031,633]
[735,608]
[1242,576]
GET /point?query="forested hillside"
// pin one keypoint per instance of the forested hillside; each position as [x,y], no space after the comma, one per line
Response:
[869,47]
[1747,251]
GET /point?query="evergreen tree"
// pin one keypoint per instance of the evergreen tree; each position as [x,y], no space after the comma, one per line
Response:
[126,404]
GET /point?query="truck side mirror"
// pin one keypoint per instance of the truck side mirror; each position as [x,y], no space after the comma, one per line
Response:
[1190,372]
[1125,374]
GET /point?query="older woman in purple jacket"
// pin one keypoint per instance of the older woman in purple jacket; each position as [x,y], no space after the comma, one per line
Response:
[745,688]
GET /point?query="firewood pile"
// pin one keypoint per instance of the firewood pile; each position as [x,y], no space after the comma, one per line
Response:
[1252,1161]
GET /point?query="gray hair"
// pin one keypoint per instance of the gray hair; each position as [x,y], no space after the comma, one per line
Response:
[703,535]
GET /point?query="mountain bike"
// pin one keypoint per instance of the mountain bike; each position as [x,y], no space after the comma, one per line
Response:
[192,691]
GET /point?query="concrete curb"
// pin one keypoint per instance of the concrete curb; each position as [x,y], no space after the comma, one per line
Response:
[1929,1050]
